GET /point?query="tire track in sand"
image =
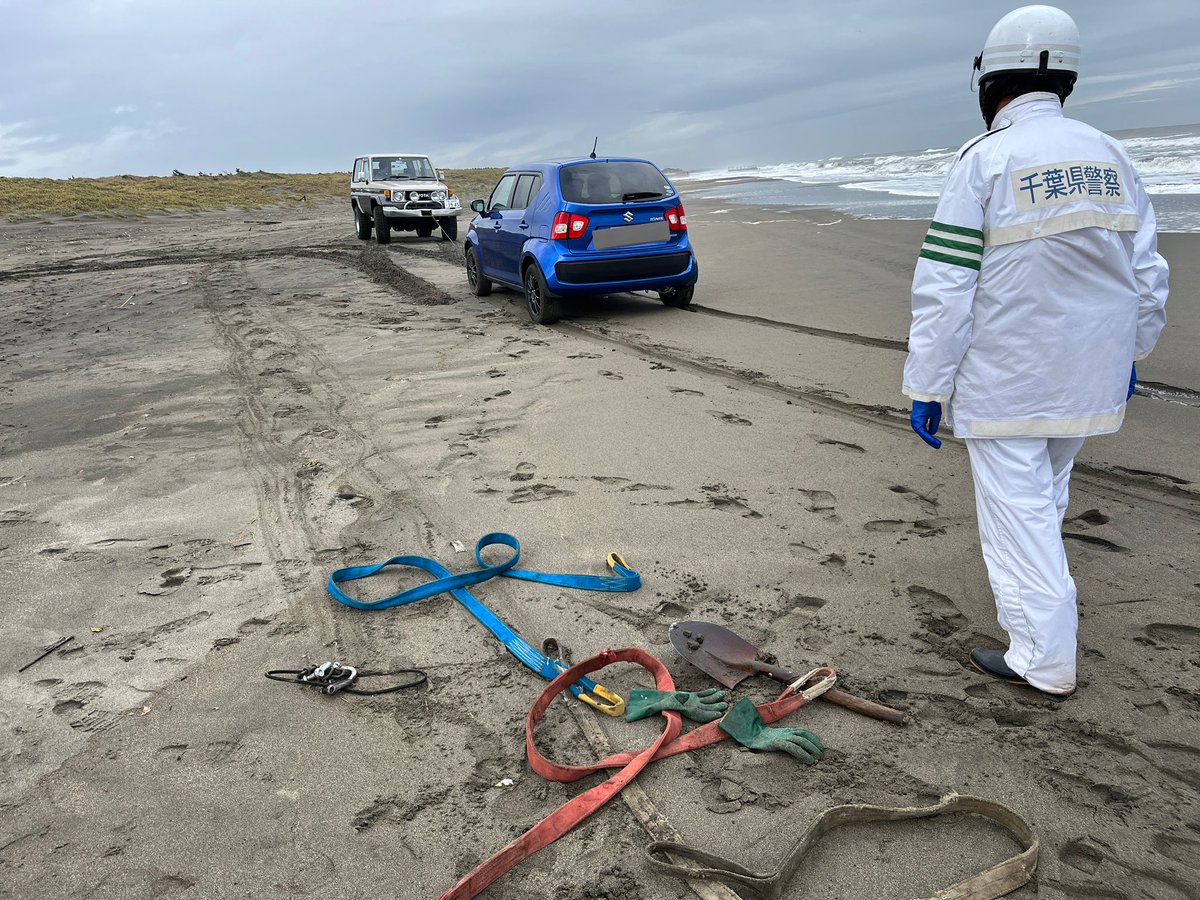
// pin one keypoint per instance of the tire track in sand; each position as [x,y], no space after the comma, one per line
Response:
[282,377]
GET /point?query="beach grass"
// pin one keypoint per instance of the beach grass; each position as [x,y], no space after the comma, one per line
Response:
[22,197]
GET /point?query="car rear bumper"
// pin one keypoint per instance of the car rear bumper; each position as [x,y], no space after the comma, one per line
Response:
[622,273]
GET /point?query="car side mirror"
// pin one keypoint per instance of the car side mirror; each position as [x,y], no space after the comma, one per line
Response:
[441,174]
[479,206]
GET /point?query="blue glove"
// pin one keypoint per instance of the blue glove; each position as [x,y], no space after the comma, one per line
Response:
[1132,383]
[926,417]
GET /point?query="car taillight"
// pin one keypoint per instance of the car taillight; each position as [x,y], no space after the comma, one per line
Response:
[677,218]
[567,225]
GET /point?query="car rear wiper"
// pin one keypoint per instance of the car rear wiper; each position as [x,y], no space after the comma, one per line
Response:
[641,195]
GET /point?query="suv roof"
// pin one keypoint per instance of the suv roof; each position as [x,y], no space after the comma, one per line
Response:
[571,160]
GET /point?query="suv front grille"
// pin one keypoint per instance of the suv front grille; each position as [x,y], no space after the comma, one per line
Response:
[424,200]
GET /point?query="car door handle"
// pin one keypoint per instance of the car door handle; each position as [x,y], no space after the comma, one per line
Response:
[523,225]
[496,227]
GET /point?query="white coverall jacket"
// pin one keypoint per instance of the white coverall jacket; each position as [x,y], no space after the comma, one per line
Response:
[1039,282]
[1038,285]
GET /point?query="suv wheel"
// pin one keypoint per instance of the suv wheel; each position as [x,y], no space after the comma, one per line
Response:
[383,230]
[362,225]
[678,297]
[449,227]
[480,286]
[543,307]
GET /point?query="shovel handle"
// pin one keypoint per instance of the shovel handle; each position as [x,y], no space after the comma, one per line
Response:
[840,697]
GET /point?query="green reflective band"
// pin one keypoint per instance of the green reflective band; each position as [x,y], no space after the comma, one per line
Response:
[954,245]
[956,260]
[956,229]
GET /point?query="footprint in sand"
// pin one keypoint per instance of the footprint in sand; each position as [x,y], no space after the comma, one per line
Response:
[818,500]
[434,421]
[731,418]
[924,498]
[1187,636]
[802,602]
[842,445]
[613,375]
[937,612]
[1098,542]
[535,492]
[1089,518]
[687,391]
[167,582]
[524,472]
[1184,850]
[921,527]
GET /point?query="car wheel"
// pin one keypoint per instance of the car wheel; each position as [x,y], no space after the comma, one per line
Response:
[678,297]
[424,229]
[383,229]
[543,306]
[362,225]
[480,286]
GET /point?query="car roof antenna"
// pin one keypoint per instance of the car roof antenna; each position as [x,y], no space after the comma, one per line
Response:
[594,143]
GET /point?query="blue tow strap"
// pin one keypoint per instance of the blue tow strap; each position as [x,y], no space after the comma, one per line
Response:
[623,579]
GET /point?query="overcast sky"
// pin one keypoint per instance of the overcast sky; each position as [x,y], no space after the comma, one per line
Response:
[102,87]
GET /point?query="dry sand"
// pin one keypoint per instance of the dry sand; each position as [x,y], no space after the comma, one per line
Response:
[203,415]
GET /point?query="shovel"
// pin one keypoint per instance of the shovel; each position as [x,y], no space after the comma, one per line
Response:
[719,652]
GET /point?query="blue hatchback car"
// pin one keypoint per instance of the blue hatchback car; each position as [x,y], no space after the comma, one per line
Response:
[581,226]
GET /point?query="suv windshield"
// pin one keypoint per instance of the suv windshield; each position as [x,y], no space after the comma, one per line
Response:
[393,168]
[613,182]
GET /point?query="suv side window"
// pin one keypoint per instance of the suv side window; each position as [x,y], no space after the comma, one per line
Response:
[520,198]
[502,195]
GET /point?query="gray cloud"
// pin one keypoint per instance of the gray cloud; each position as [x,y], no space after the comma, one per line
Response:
[96,87]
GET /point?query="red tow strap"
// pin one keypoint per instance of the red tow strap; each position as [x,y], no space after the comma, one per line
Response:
[574,811]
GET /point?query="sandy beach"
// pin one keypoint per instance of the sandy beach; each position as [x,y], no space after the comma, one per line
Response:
[203,415]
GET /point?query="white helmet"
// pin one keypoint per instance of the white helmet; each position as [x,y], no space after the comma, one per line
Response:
[1031,39]
[1033,42]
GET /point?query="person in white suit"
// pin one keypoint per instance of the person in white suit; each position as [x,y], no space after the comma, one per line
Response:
[1038,287]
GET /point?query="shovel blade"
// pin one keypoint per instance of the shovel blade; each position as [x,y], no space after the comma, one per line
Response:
[714,650]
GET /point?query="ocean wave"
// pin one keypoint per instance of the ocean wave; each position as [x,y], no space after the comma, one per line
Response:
[1169,163]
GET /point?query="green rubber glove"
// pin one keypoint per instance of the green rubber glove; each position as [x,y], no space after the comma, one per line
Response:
[701,706]
[745,726]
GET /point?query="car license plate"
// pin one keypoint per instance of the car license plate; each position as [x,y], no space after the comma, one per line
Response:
[628,235]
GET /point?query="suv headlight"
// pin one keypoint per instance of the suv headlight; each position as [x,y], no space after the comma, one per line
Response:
[439,195]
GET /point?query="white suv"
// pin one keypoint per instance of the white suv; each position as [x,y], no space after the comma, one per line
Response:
[401,191]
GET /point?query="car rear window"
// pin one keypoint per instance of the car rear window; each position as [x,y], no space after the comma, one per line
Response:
[612,182]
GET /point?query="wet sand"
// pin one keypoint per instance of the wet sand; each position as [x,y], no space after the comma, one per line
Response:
[203,415]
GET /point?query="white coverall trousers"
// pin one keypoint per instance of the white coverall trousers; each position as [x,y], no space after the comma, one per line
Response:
[1021,487]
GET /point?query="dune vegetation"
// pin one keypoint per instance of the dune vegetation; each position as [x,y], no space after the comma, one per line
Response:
[133,194]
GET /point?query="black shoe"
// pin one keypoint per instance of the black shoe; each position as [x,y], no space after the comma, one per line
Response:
[991,662]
